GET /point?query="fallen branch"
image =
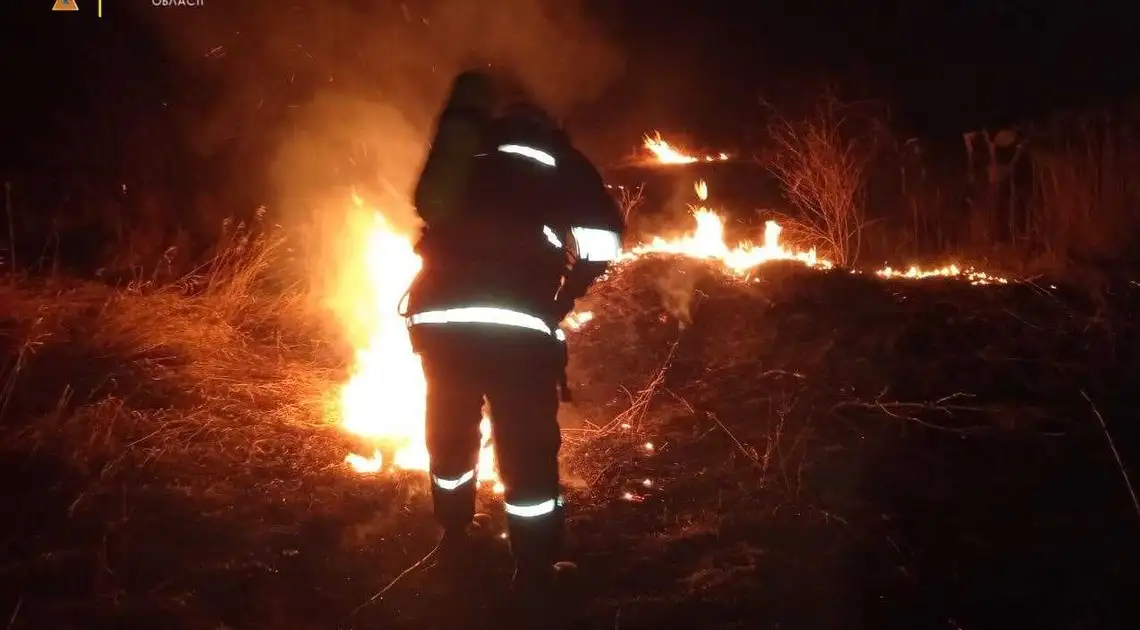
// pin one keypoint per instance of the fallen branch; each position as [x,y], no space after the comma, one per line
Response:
[16,612]
[751,455]
[898,409]
[639,404]
[380,593]
[1115,453]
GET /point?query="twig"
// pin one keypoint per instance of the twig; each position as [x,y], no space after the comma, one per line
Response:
[680,399]
[740,445]
[896,409]
[16,612]
[639,405]
[380,593]
[1115,453]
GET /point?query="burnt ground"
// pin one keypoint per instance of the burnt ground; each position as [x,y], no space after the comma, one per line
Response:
[829,451]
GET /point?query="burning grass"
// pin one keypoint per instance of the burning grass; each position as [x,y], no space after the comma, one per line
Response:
[804,447]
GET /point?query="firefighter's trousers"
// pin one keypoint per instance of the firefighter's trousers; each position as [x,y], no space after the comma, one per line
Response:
[518,372]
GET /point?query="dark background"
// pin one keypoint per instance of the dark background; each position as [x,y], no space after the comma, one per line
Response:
[91,104]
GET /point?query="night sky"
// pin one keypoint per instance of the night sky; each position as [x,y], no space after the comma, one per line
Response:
[75,83]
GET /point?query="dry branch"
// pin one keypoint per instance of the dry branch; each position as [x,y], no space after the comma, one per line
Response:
[905,410]
[1115,453]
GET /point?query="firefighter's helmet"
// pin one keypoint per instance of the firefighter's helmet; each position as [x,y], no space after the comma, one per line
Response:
[527,120]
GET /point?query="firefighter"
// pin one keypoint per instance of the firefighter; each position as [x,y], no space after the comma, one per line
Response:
[518,224]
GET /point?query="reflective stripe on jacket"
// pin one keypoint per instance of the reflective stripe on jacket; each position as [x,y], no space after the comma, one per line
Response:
[485,315]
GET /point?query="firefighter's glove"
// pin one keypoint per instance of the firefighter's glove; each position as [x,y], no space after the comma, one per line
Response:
[558,312]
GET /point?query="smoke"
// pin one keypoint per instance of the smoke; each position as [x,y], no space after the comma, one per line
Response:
[676,287]
[335,98]
[336,89]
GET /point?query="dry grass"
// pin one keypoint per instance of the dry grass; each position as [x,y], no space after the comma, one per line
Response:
[1062,202]
[202,483]
[1083,203]
[220,365]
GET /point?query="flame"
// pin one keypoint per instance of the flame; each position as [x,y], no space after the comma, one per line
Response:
[384,399]
[664,153]
[707,241]
[948,271]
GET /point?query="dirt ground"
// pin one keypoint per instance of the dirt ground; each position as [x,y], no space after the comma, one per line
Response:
[828,451]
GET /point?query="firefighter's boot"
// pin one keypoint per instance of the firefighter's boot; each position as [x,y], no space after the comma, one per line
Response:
[542,580]
[461,548]
[543,597]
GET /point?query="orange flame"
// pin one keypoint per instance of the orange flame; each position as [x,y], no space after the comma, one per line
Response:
[384,399]
[664,153]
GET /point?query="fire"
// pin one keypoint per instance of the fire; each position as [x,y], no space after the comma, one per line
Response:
[948,271]
[707,241]
[383,401]
[665,153]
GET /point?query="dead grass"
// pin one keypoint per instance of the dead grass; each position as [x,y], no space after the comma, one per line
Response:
[737,462]
[156,434]
[222,364]
[1083,199]
[823,409]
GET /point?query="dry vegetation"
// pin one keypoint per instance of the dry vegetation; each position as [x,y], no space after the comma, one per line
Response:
[821,162]
[1055,196]
[828,449]
[836,451]
[157,408]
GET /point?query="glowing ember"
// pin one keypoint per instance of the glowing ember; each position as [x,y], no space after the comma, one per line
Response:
[949,271]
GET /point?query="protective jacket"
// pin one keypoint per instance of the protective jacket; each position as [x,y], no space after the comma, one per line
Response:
[533,230]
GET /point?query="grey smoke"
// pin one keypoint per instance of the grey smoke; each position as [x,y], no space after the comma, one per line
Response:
[349,90]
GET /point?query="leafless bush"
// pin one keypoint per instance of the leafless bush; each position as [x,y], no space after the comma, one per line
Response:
[629,198]
[821,160]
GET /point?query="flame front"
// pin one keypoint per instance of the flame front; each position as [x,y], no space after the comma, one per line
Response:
[707,241]
[384,400]
[664,153]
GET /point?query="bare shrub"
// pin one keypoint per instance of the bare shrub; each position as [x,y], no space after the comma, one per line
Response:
[629,199]
[821,160]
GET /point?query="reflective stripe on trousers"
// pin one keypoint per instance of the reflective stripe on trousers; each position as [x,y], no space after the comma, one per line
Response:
[485,315]
[522,510]
[449,484]
[534,510]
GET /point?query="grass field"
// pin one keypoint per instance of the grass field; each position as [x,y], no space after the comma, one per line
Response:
[828,451]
